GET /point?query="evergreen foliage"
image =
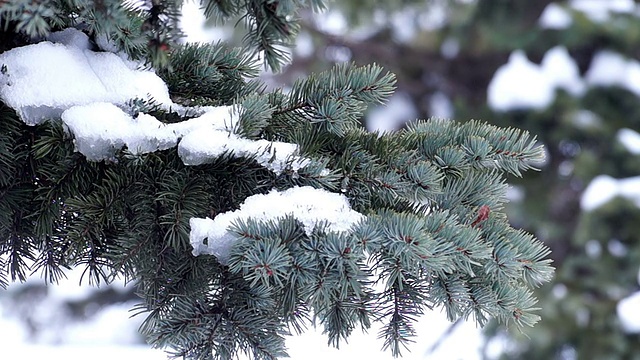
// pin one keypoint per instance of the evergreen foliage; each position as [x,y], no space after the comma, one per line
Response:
[596,251]
[435,232]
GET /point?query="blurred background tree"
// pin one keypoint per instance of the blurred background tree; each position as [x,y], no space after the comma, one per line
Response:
[577,89]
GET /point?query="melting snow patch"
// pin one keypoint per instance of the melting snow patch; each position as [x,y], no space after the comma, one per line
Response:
[308,205]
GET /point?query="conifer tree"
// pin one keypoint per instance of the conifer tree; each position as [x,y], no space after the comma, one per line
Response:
[244,214]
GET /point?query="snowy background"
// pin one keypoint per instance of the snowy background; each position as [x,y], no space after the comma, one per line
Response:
[42,323]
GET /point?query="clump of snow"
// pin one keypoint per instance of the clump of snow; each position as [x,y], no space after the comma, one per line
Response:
[40,81]
[630,140]
[555,17]
[100,129]
[199,147]
[628,313]
[612,69]
[521,84]
[604,188]
[308,205]
[88,90]
[562,71]
[601,10]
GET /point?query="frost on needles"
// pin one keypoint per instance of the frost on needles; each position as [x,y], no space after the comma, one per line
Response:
[244,214]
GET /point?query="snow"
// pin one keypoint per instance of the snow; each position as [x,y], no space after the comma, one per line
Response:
[71,37]
[630,140]
[601,10]
[604,188]
[97,77]
[199,147]
[555,17]
[518,84]
[93,106]
[628,313]
[521,84]
[612,69]
[562,71]
[308,205]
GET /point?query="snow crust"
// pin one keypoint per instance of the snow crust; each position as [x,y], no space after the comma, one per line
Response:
[555,17]
[604,188]
[628,314]
[521,84]
[308,205]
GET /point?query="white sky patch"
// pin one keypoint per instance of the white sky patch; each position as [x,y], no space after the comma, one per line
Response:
[112,325]
[440,106]
[392,115]
[304,45]
[430,327]
[331,22]
[555,17]
[193,25]
[628,311]
[521,84]
[604,188]
[434,17]
[612,69]
[403,24]
[309,205]
[630,140]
